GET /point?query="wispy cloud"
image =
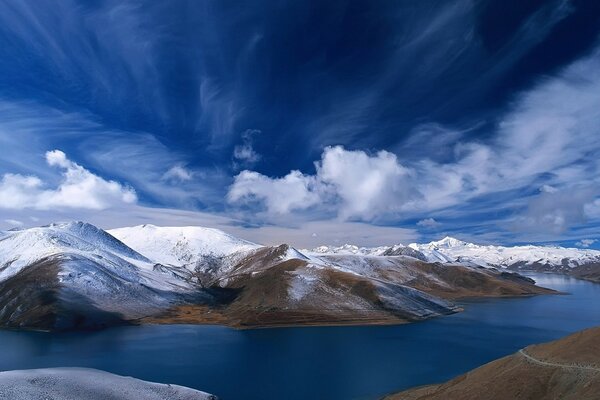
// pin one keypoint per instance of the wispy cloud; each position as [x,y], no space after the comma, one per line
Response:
[14,222]
[244,154]
[428,223]
[178,173]
[586,242]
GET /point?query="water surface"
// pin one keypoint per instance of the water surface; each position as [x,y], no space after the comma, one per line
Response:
[316,362]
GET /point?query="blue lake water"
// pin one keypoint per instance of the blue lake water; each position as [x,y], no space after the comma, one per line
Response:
[316,362]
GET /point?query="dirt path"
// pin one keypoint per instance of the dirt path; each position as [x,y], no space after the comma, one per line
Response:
[557,365]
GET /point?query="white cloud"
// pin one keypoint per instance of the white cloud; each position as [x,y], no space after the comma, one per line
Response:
[357,184]
[556,210]
[79,188]
[177,173]
[429,223]
[367,186]
[245,153]
[586,242]
[294,191]
[13,222]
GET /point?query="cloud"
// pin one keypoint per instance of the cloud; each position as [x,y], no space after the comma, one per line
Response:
[177,173]
[79,188]
[586,242]
[367,186]
[428,223]
[157,172]
[244,153]
[13,222]
[295,191]
[358,185]
[550,138]
[556,210]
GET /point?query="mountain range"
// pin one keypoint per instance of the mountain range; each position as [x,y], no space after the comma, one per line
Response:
[77,276]
[582,263]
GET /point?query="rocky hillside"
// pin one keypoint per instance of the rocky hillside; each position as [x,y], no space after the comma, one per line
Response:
[567,369]
[275,286]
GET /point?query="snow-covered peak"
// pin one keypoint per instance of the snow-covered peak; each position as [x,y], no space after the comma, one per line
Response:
[23,247]
[454,250]
[347,249]
[292,253]
[448,242]
[180,245]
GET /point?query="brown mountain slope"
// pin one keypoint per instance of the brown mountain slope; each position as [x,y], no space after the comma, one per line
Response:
[567,369]
[267,288]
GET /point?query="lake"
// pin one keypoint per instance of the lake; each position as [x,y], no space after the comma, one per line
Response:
[316,362]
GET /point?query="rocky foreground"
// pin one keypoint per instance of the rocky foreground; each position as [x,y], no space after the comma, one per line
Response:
[87,384]
[77,276]
[566,369]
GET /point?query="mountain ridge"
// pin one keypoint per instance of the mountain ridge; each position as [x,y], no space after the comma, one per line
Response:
[583,263]
[75,275]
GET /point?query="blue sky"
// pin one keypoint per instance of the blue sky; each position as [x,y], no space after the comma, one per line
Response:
[309,122]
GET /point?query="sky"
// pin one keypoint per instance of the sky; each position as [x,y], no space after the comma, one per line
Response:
[306,122]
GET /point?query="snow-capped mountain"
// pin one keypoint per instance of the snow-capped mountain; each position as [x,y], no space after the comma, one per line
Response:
[180,245]
[76,275]
[349,249]
[19,248]
[553,257]
[451,250]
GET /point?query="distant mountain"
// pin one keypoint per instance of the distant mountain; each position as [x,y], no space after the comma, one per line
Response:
[550,257]
[568,368]
[75,275]
[583,263]
[348,249]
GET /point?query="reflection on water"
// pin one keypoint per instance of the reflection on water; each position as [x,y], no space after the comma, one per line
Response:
[329,362]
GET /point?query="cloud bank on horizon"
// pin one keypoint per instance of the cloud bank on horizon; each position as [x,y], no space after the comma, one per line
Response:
[308,122]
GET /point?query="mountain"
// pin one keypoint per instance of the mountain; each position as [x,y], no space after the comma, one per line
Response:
[348,249]
[180,245]
[582,263]
[568,368]
[89,384]
[75,275]
[279,286]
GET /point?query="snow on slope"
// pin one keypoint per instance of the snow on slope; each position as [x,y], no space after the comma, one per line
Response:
[348,249]
[92,273]
[454,250]
[450,250]
[91,384]
[21,248]
[180,245]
